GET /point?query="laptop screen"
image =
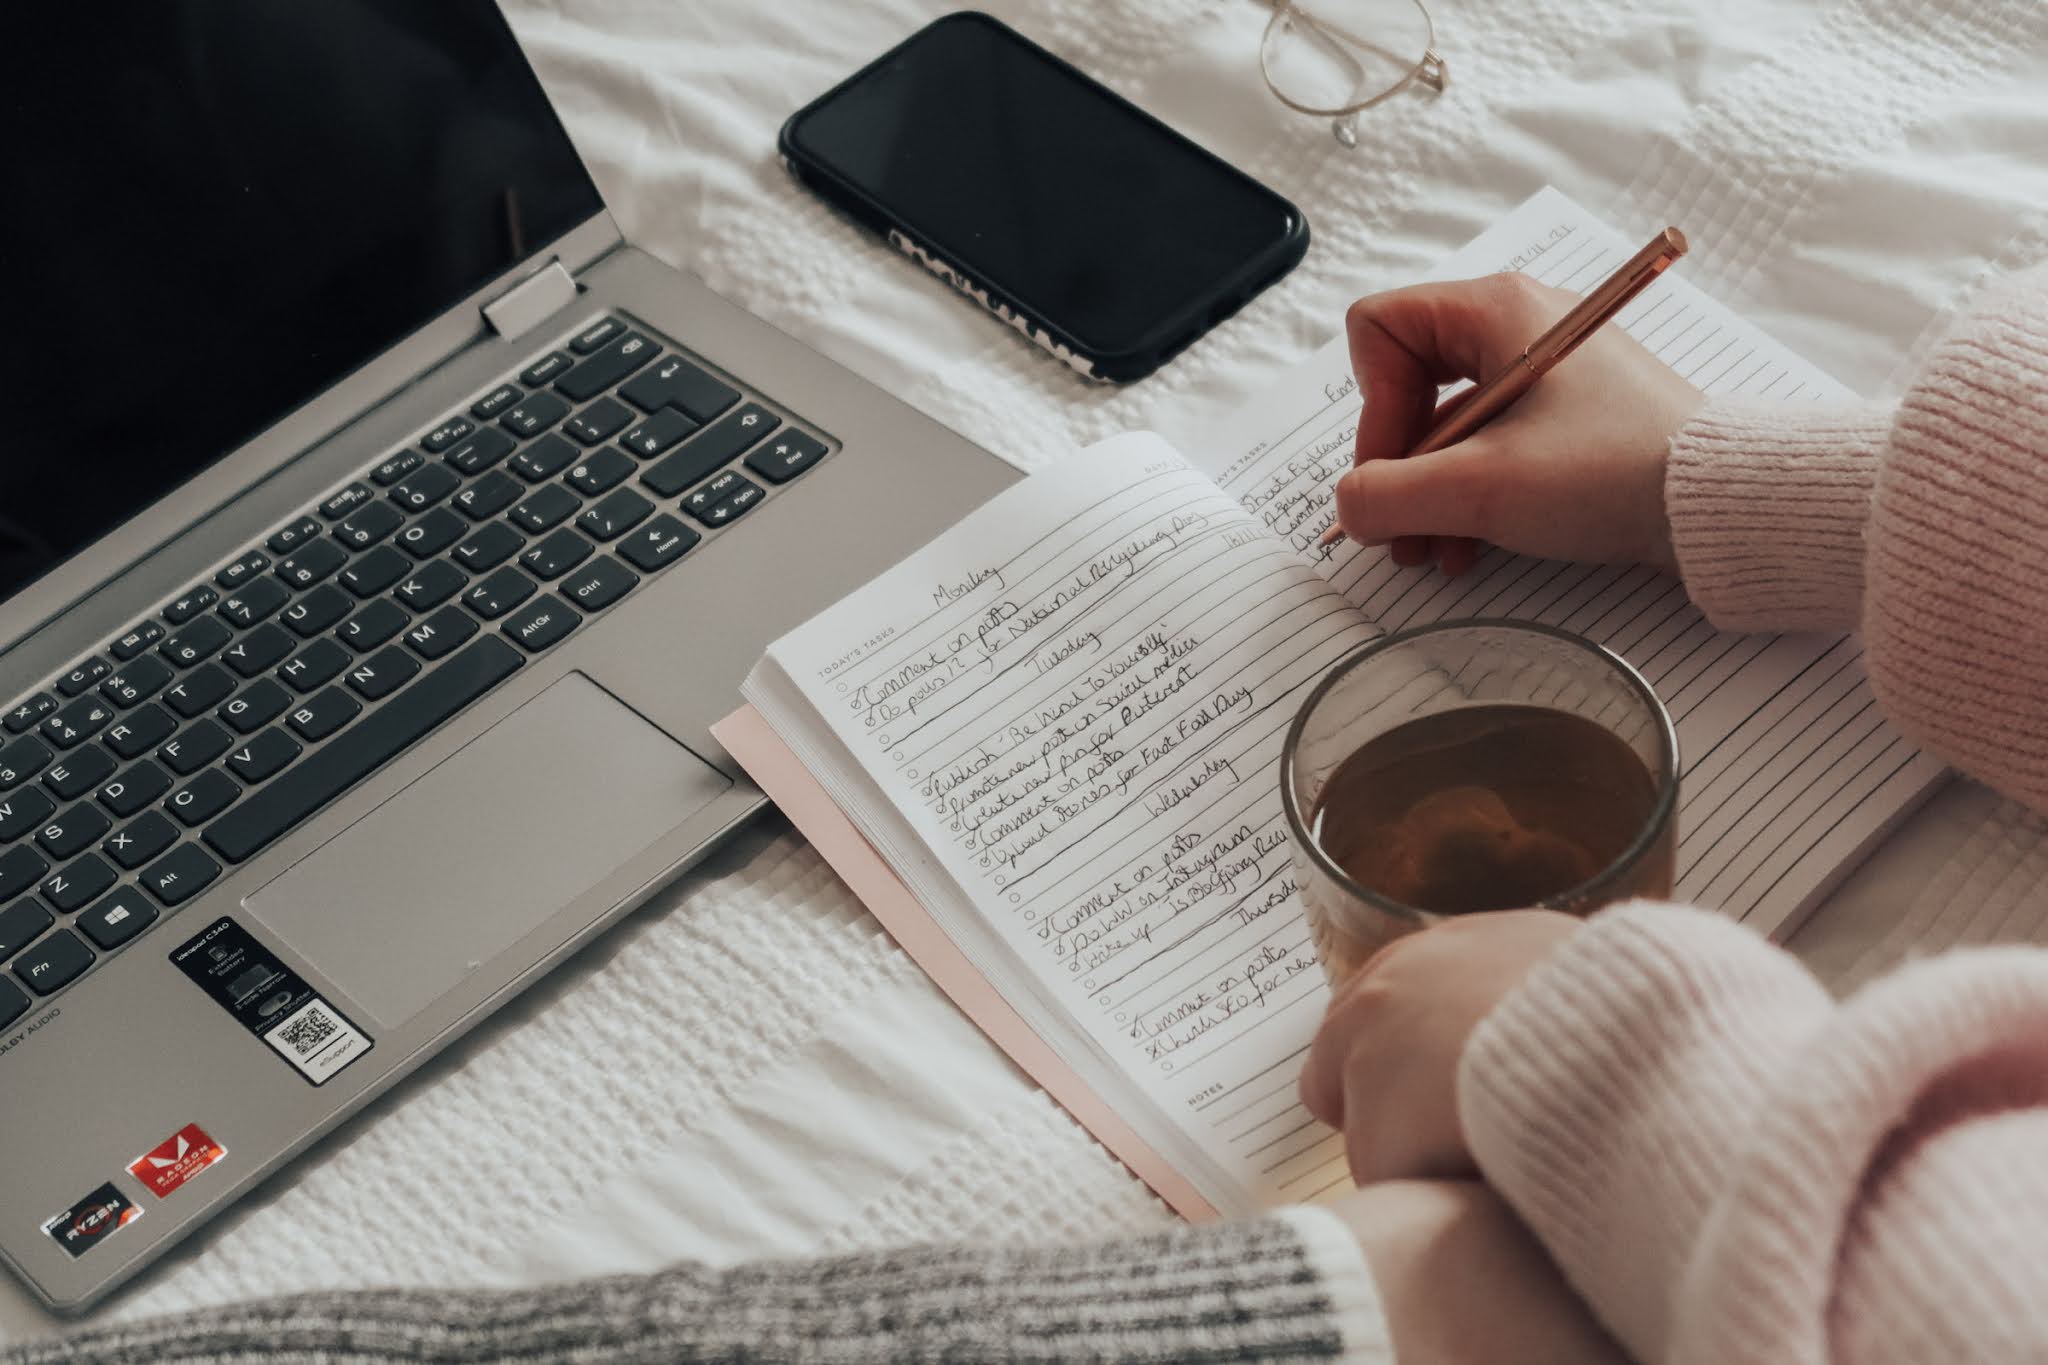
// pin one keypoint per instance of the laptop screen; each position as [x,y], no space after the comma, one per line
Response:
[210,210]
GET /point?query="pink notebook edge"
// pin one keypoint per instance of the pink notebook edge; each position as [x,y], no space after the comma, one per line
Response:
[776,769]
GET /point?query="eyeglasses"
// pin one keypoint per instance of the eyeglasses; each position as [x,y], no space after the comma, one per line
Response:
[1337,58]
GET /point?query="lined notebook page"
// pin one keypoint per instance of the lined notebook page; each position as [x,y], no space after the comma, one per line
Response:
[1788,770]
[1068,714]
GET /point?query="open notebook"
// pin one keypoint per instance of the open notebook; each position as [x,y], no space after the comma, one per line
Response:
[1058,726]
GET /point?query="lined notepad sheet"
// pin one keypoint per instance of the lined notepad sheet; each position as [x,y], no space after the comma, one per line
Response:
[1789,772]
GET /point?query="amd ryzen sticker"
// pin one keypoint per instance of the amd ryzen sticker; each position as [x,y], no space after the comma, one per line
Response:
[92,1220]
[183,1155]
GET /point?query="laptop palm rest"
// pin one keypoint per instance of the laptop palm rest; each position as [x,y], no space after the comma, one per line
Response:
[406,902]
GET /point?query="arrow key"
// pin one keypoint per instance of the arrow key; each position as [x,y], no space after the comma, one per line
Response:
[658,544]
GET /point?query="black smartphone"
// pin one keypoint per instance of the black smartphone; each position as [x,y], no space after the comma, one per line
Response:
[1090,226]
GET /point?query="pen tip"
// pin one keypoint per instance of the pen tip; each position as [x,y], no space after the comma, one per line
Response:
[1675,239]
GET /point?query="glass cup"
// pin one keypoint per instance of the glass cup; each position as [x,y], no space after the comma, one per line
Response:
[1405,678]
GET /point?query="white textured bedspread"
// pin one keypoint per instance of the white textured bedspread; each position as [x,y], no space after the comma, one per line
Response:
[748,1066]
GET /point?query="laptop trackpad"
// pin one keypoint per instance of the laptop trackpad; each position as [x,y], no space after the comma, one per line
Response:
[484,848]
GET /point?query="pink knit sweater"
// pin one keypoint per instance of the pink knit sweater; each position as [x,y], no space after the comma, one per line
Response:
[1728,1165]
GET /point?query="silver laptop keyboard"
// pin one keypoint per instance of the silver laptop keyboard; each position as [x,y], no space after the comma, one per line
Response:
[311,659]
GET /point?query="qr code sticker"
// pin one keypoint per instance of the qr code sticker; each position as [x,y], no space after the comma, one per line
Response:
[318,1040]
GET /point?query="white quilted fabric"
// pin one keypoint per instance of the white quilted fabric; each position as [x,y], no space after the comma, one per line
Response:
[748,1066]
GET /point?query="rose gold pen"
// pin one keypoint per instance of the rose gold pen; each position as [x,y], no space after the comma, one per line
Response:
[1587,316]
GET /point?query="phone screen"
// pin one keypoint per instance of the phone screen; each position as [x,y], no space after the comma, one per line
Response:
[1036,181]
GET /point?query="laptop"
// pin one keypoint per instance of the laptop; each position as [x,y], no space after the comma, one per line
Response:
[379,535]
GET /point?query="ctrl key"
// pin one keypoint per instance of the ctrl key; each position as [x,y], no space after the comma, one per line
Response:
[13,1004]
[54,963]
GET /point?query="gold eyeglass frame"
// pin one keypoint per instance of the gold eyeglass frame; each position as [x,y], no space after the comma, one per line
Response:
[1428,70]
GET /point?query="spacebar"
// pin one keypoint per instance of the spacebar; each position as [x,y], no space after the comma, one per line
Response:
[357,752]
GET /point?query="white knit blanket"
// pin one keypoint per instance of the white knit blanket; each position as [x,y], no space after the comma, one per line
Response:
[749,1066]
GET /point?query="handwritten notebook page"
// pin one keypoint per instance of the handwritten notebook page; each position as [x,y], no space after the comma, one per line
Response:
[1789,771]
[1068,712]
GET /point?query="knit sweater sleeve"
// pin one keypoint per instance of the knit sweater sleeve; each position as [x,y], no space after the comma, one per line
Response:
[1731,1169]
[1924,523]
[1289,1287]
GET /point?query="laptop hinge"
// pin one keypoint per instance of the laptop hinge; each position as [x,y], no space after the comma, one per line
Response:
[521,307]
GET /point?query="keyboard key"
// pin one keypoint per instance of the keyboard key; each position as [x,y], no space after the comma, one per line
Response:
[545,507]
[709,449]
[134,789]
[734,507]
[383,673]
[386,732]
[318,610]
[614,515]
[141,729]
[425,486]
[289,538]
[20,813]
[481,451]
[73,830]
[27,713]
[54,963]
[263,756]
[604,469]
[541,623]
[137,640]
[424,537]
[190,605]
[440,633]
[20,923]
[21,760]
[258,599]
[657,432]
[117,919]
[204,797]
[196,641]
[370,574]
[199,691]
[594,336]
[321,716]
[430,585]
[243,571]
[367,525]
[13,1004]
[396,468]
[314,666]
[72,886]
[197,745]
[494,402]
[316,561]
[706,496]
[498,594]
[447,434]
[545,458]
[373,625]
[657,544]
[676,383]
[605,368]
[488,496]
[79,772]
[599,583]
[536,413]
[489,547]
[546,370]
[83,676]
[556,555]
[77,721]
[346,501]
[788,456]
[258,650]
[598,420]
[258,704]
[141,839]
[180,875]
[21,868]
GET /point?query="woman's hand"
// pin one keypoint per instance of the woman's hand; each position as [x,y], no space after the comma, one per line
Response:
[1574,470]
[1384,1066]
